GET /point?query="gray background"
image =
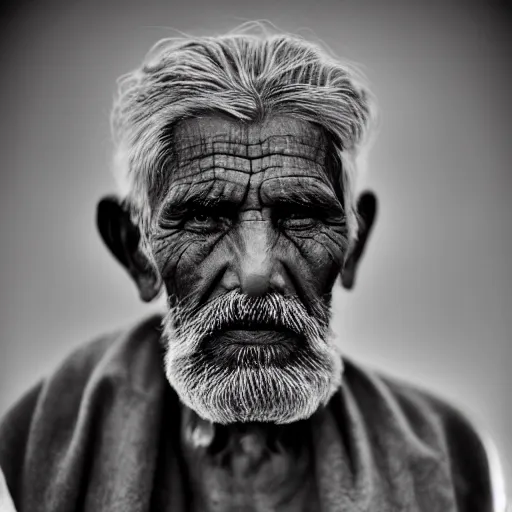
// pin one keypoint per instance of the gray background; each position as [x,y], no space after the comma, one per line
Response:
[433,301]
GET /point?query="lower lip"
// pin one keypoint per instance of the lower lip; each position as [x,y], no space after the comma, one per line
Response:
[241,346]
[244,337]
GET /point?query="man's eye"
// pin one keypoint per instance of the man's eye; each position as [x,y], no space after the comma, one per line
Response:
[201,218]
[296,215]
[202,222]
[294,218]
[299,220]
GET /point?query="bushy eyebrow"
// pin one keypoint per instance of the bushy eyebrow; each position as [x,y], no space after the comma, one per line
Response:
[322,205]
[313,197]
[200,198]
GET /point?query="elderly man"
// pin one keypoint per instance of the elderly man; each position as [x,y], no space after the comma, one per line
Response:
[237,158]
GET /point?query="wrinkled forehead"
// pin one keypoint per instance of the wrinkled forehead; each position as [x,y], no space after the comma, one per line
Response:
[227,157]
[284,145]
[198,137]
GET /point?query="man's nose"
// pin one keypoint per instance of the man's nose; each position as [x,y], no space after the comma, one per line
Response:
[259,268]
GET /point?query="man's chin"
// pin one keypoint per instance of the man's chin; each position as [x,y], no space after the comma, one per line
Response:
[227,406]
[254,392]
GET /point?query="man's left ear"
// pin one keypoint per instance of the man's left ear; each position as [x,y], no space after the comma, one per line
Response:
[123,239]
[367,210]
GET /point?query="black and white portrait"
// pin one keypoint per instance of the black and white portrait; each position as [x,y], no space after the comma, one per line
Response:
[255,257]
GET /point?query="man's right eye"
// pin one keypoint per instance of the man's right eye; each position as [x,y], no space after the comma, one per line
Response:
[201,218]
[175,218]
[205,222]
[196,219]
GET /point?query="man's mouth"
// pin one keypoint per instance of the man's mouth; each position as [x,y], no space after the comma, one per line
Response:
[260,341]
[268,336]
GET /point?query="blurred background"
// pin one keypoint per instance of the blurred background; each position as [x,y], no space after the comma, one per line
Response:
[433,301]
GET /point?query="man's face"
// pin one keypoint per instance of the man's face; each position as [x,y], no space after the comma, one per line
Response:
[249,239]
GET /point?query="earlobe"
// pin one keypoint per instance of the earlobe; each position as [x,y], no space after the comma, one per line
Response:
[367,211]
[123,239]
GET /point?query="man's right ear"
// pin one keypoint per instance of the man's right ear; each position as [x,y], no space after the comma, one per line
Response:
[123,238]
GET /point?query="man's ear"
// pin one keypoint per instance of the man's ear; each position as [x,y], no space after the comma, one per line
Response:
[122,237]
[367,210]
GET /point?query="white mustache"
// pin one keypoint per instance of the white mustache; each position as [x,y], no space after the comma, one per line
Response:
[258,388]
[237,309]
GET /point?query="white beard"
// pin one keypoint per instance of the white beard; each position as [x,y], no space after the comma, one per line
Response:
[256,389]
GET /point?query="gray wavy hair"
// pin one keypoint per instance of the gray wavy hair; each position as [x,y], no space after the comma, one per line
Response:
[249,76]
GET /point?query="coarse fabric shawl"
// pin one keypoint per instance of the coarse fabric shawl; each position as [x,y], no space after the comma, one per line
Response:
[102,434]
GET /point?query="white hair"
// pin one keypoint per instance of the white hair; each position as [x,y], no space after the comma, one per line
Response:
[249,76]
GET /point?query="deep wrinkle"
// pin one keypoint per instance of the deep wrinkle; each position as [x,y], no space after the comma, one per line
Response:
[269,191]
[262,241]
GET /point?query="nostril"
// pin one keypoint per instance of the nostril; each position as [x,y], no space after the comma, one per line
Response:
[255,284]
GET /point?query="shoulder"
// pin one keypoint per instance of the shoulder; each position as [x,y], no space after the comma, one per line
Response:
[431,423]
[407,404]
[127,356]
[125,361]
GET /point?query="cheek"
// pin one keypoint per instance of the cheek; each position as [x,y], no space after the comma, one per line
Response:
[188,261]
[317,256]
[180,256]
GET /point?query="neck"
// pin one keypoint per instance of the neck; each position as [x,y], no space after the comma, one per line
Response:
[252,439]
[267,461]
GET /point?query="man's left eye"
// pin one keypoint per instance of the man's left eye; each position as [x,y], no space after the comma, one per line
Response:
[298,221]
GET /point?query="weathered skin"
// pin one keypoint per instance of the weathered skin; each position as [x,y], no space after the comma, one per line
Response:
[280,226]
[256,208]
[249,467]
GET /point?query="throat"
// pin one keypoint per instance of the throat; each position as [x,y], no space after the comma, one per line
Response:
[255,466]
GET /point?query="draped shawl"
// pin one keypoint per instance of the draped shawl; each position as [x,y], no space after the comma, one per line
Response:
[102,434]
